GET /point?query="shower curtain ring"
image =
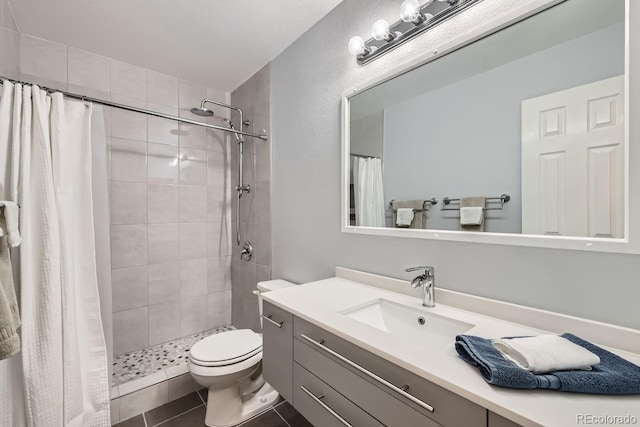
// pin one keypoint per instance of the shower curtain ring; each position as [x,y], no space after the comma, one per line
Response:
[86,103]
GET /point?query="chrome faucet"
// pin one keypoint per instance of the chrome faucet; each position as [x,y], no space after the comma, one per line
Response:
[427,280]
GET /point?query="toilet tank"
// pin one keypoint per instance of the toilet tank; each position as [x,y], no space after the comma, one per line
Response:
[270,285]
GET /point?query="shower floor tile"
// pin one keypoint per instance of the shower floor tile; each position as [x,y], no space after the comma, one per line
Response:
[147,361]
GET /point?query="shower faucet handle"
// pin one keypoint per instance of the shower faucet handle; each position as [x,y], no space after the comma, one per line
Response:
[247,251]
[243,189]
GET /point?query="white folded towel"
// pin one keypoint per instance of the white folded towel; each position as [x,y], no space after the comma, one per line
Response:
[11,215]
[473,215]
[404,217]
[545,353]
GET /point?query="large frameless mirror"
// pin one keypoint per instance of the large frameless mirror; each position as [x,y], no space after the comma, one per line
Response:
[521,133]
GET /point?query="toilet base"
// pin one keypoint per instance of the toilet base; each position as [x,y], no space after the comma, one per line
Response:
[226,407]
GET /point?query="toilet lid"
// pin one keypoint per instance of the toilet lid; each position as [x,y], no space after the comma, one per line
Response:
[226,348]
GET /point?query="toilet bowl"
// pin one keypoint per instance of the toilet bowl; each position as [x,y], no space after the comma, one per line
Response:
[229,365]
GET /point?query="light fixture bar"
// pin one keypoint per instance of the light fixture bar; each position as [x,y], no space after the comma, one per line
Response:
[405,31]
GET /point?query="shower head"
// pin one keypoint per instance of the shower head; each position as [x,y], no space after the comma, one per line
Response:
[202,111]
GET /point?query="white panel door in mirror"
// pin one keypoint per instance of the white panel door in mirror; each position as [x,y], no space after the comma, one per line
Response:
[573,161]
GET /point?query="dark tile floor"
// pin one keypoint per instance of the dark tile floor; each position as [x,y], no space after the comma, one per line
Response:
[189,411]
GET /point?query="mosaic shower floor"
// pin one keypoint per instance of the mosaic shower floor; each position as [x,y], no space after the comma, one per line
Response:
[147,361]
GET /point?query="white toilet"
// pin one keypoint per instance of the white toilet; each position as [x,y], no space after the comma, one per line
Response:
[229,365]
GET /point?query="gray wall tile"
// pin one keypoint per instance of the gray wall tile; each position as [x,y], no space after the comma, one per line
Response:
[193,278]
[89,70]
[193,241]
[128,245]
[130,330]
[219,308]
[164,282]
[194,316]
[128,203]
[164,243]
[164,203]
[128,160]
[43,58]
[130,287]
[164,322]
[193,203]
[163,165]
[162,89]
[219,274]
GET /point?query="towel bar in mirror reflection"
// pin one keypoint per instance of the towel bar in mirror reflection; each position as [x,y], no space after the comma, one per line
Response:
[541,118]
[426,206]
[502,200]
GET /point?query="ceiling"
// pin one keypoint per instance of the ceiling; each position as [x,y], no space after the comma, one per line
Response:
[218,43]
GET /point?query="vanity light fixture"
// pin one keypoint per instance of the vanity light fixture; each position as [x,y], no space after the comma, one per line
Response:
[414,20]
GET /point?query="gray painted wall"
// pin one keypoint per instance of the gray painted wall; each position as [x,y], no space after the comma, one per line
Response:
[367,135]
[307,81]
[464,139]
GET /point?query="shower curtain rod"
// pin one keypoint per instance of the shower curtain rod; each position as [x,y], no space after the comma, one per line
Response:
[141,110]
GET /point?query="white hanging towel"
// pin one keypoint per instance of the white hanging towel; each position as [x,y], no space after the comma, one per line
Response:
[404,217]
[471,215]
[9,223]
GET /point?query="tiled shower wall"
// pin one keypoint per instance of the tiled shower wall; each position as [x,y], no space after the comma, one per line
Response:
[9,43]
[255,219]
[169,194]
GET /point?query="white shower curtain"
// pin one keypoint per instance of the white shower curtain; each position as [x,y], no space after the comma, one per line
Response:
[368,192]
[64,356]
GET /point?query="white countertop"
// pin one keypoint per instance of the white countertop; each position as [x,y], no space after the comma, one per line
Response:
[321,303]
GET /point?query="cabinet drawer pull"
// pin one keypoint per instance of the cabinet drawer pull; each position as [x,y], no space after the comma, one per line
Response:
[324,405]
[400,391]
[273,322]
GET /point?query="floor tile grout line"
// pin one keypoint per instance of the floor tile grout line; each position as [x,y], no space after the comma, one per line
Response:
[280,415]
[255,417]
[176,416]
[201,398]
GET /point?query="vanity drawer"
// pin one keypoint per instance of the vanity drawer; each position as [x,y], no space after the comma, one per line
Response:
[277,349]
[387,409]
[379,375]
[322,406]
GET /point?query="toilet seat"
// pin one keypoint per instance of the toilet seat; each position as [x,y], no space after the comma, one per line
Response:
[227,348]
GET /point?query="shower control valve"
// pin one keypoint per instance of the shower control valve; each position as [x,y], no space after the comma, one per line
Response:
[247,251]
[243,188]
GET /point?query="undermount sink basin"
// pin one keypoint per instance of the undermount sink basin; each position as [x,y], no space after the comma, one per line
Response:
[404,321]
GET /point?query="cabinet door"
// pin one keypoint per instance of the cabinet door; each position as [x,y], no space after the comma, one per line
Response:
[277,349]
[496,420]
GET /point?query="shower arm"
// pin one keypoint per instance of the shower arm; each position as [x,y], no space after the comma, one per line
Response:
[241,188]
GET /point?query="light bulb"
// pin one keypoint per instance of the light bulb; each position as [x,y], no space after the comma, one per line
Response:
[380,30]
[410,10]
[356,45]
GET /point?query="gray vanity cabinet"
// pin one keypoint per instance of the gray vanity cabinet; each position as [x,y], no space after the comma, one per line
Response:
[496,420]
[390,394]
[277,349]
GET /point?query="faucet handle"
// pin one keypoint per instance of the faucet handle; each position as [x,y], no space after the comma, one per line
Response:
[426,270]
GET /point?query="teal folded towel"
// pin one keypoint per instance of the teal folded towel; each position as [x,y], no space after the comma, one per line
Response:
[613,375]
